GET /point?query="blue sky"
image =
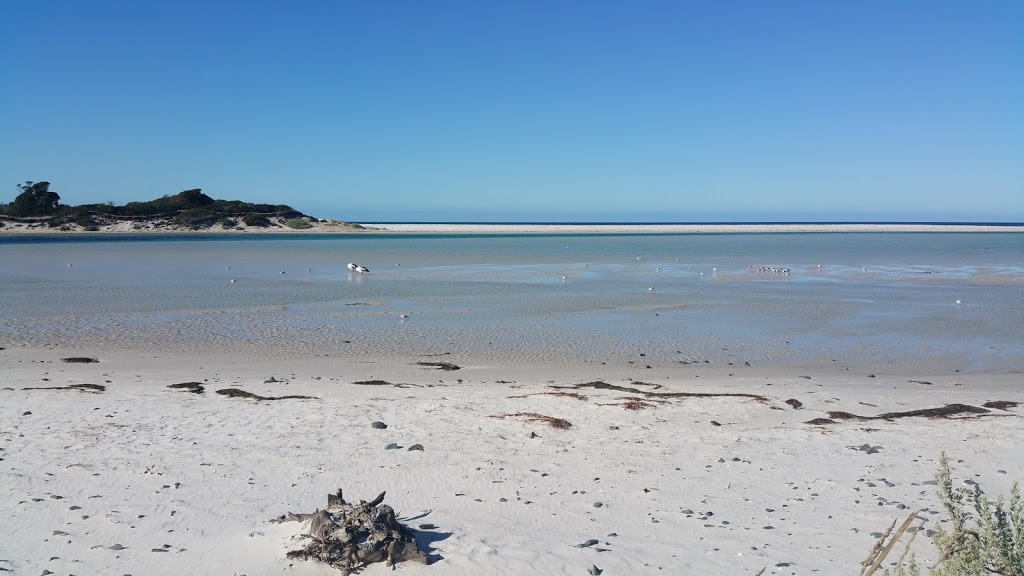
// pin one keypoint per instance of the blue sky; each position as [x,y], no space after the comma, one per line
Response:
[401,110]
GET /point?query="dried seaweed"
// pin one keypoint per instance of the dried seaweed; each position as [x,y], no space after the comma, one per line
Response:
[79,360]
[94,388]
[942,412]
[440,365]
[532,417]
[194,387]
[237,393]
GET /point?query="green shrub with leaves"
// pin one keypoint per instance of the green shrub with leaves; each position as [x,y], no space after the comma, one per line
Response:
[256,220]
[983,537]
[298,224]
[228,222]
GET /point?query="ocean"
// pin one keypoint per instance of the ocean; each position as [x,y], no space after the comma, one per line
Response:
[660,300]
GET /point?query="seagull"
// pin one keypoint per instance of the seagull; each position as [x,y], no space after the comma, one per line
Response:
[352,266]
[959,302]
[362,269]
[232,280]
[701,273]
[403,316]
[309,269]
[563,278]
[637,257]
[282,271]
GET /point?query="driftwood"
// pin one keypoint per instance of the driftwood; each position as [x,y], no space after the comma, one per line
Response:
[349,536]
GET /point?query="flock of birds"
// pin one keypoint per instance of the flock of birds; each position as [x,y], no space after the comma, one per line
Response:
[762,269]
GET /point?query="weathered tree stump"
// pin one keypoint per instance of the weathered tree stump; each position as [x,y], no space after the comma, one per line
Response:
[349,536]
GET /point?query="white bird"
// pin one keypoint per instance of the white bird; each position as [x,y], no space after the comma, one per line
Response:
[227,267]
[362,269]
[403,316]
[959,302]
[309,269]
[637,257]
[352,266]
[563,278]
[232,280]
[69,264]
[651,289]
[282,271]
[701,273]
[659,269]
[714,269]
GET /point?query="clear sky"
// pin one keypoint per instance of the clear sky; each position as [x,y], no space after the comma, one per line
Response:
[548,110]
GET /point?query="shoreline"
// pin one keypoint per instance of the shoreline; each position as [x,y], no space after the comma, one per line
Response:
[16,229]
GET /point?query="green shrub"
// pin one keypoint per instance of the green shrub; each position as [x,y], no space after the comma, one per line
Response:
[256,220]
[987,540]
[298,224]
[228,222]
[196,218]
[84,220]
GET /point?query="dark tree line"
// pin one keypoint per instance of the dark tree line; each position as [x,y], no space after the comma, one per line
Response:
[190,207]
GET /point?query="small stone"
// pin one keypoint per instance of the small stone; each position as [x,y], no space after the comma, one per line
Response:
[392,446]
[418,447]
[427,526]
[117,547]
[26,413]
[587,544]
[533,435]
[378,425]
[598,504]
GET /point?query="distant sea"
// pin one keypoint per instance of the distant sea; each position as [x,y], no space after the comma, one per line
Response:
[858,299]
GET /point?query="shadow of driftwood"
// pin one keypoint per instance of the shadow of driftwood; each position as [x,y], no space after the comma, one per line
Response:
[425,540]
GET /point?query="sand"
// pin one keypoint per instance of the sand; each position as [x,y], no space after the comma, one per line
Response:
[144,479]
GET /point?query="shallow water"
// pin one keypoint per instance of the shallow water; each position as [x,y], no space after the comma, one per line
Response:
[876,299]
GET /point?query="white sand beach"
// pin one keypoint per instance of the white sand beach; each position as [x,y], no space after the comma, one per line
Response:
[146,480]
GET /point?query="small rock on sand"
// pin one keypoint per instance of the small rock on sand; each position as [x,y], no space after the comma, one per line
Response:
[418,447]
[378,425]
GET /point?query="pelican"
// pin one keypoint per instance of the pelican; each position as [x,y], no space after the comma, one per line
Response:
[352,266]
[362,269]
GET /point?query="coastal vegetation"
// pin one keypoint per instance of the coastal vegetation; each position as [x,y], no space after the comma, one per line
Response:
[986,540]
[38,206]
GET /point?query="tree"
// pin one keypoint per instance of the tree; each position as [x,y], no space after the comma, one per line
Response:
[35,200]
